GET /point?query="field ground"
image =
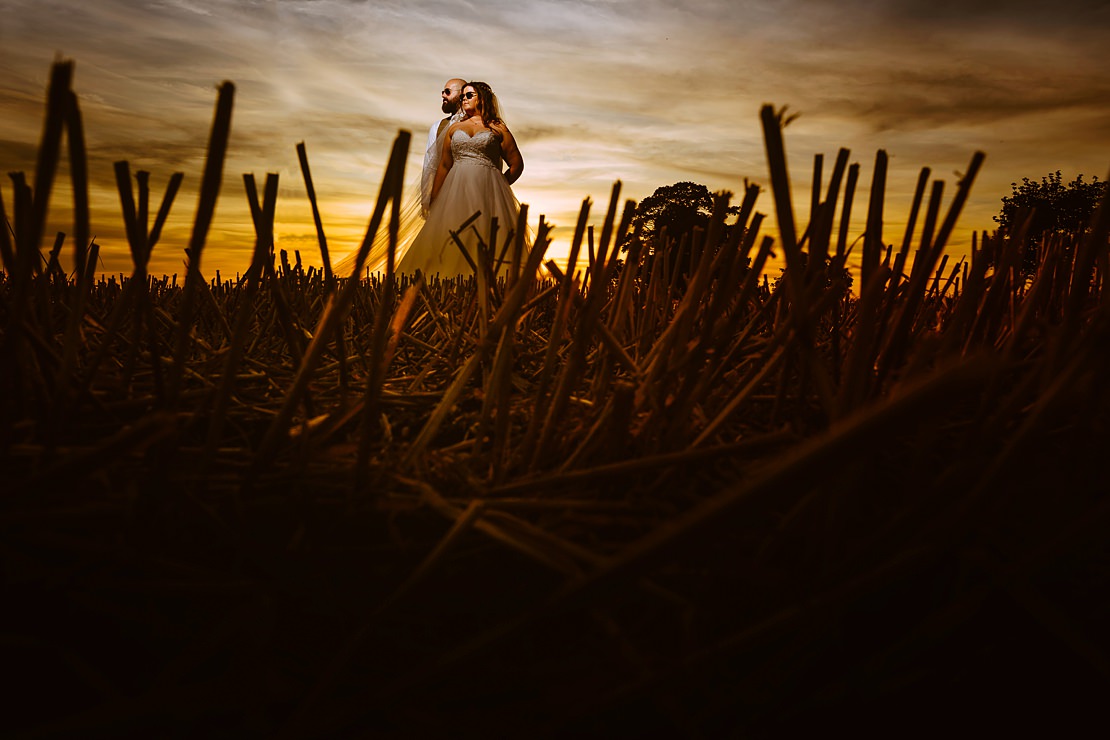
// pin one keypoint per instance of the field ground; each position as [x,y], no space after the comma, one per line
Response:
[629,500]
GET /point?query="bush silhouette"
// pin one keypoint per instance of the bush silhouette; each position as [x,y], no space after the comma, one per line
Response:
[1038,210]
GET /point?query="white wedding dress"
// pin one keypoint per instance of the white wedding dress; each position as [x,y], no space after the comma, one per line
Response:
[474,183]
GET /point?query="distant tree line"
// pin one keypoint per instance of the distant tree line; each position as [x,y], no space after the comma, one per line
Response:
[1033,212]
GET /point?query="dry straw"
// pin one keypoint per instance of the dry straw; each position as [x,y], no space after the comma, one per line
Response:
[651,485]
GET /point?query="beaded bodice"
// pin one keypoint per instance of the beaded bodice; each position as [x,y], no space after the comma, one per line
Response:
[483,148]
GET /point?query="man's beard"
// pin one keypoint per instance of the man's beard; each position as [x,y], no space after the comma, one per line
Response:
[449,107]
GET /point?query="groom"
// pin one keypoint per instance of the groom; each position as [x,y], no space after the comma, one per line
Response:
[452,97]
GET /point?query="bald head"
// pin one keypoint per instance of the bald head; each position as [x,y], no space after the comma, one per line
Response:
[452,89]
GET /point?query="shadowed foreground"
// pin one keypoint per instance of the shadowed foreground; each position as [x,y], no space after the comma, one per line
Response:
[621,501]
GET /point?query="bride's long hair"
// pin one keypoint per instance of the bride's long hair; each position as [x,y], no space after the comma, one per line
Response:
[488,108]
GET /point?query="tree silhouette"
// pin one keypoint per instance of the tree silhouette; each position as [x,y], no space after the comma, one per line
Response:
[678,208]
[674,211]
[1049,207]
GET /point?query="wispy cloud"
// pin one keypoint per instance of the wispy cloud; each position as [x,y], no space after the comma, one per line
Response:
[647,91]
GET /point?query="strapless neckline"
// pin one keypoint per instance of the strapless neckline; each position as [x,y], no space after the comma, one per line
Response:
[469,136]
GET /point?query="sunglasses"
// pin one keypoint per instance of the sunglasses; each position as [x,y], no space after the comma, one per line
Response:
[469,95]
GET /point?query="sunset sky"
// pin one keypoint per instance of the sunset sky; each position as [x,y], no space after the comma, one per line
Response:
[650,92]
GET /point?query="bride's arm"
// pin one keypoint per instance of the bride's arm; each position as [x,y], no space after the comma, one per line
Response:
[445,163]
[511,153]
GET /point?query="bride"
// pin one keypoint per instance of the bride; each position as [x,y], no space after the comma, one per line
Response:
[469,180]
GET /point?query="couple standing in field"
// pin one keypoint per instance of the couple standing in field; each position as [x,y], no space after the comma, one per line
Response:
[462,175]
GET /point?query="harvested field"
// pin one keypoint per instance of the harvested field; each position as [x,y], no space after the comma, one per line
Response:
[616,500]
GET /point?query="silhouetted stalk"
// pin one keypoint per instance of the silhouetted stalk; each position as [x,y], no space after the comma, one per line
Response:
[136,293]
[496,408]
[57,104]
[575,365]
[873,236]
[796,270]
[542,399]
[915,206]
[815,188]
[518,246]
[163,211]
[502,260]
[693,356]
[7,250]
[1091,251]
[506,316]
[78,172]
[846,213]
[784,205]
[936,292]
[963,316]
[279,293]
[64,382]
[335,311]
[263,217]
[622,306]
[856,378]
[206,206]
[736,310]
[325,257]
[821,235]
[604,375]
[962,190]
[383,337]
[608,228]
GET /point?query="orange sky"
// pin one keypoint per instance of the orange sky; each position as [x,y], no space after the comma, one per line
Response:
[649,92]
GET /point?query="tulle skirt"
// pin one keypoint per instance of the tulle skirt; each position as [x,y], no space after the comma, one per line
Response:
[468,188]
